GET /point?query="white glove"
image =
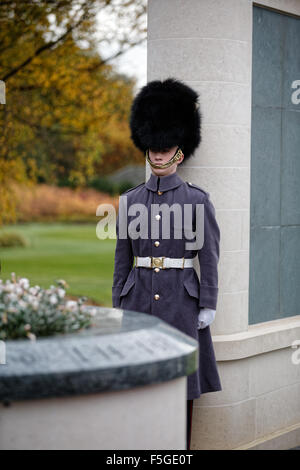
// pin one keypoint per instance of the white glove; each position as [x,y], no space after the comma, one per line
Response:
[205,317]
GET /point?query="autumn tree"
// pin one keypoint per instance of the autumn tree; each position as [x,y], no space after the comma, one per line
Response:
[66,111]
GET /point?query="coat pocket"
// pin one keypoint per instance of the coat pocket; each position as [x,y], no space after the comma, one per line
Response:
[128,284]
[192,287]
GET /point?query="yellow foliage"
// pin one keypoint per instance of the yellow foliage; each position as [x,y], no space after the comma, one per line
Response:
[66,113]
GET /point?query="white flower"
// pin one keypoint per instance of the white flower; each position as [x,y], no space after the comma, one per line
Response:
[8,287]
[19,300]
[30,299]
[53,299]
[12,297]
[18,290]
[22,304]
[71,305]
[35,304]
[33,290]
[24,282]
[93,312]
[11,309]
[61,293]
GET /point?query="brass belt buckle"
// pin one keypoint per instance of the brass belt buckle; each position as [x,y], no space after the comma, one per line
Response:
[182,267]
[157,262]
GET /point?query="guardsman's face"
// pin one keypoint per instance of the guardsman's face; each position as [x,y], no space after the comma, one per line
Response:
[162,157]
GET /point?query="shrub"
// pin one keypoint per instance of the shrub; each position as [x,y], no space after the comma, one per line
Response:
[107,186]
[45,203]
[29,312]
[11,239]
[104,185]
[124,186]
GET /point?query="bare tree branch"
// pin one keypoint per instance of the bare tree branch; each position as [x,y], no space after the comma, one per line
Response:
[117,54]
[43,48]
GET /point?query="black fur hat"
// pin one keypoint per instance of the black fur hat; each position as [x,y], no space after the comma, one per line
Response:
[165,114]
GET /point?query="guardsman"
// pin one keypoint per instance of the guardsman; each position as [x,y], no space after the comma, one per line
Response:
[154,258]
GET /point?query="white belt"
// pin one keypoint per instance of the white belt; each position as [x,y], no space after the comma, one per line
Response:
[163,262]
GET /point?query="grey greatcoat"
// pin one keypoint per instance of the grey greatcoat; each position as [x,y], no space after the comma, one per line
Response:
[174,295]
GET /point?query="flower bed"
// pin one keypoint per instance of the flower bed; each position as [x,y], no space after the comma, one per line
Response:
[31,312]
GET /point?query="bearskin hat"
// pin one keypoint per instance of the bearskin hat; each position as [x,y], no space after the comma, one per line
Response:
[165,114]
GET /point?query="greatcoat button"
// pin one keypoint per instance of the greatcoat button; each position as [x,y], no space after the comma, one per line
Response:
[159,193]
[156,296]
[156,243]
[157,217]
[156,270]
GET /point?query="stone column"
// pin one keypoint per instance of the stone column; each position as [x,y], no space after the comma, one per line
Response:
[208,45]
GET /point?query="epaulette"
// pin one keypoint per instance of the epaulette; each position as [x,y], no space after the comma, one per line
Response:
[131,189]
[193,185]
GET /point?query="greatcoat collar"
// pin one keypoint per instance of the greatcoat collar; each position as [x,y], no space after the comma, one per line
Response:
[163,183]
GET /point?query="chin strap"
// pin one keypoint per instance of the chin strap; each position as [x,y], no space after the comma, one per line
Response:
[178,154]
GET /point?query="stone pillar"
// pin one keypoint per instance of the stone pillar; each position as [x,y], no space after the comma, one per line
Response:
[208,45]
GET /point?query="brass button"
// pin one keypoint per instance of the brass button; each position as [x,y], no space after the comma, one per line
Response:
[157,217]
[156,243]
[156,296]
[156,270]
[159,193]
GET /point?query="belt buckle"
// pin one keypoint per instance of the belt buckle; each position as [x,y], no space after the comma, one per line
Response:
[157,262]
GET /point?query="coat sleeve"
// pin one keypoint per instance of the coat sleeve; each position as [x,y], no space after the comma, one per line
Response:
[122,265]
[208,257]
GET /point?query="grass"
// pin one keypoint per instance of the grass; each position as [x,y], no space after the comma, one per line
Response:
[62,251]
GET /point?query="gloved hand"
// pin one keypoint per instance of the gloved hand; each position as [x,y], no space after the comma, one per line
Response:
[205,317]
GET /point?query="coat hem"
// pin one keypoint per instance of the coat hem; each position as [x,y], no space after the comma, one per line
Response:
[198,395]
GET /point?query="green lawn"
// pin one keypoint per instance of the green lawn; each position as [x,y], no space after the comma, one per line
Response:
[63,251]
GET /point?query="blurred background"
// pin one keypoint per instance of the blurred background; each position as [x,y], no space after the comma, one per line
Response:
[71,69]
